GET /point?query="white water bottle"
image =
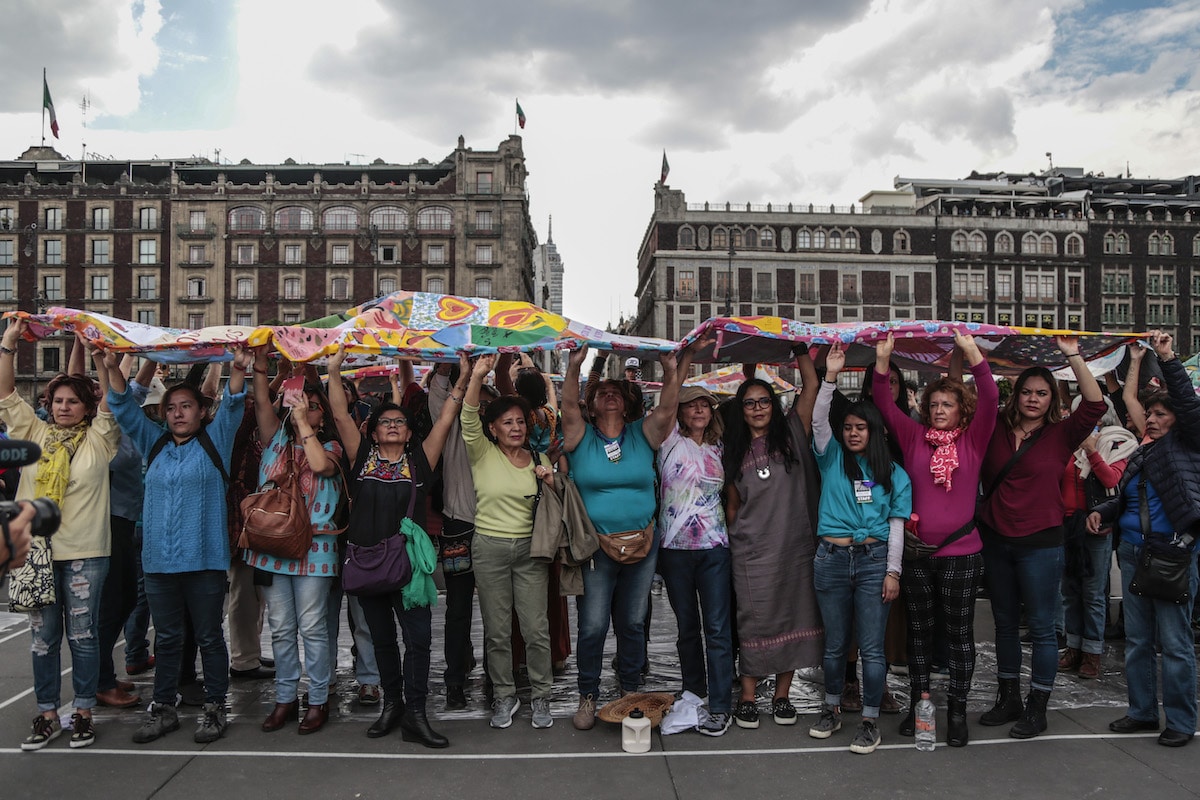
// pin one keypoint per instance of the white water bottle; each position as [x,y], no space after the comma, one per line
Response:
[635,732]
[926,724]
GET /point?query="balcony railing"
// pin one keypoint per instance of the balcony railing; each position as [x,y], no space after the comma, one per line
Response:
[483,230]
[195,298]
[902,298]
[851,298]
[195,263]
[686,294]
[764,296]
[808,298]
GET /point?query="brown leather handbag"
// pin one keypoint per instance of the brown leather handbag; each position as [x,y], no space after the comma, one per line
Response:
[276,521]
[628,547]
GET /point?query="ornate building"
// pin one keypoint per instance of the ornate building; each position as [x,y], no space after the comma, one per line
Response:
[192,243]
[1063,249]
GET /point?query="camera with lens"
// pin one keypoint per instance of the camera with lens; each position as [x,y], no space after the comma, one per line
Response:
[46,518]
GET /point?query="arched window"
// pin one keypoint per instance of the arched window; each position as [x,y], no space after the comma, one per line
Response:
[293,218]
[958,242]
[720,239]
[976,243]
[850,240]
[386,286]
[900,242]
[1047,245]
[1110,243]
[1196,245]
[803,240]
[1004,242]
[1122,243]
[1152,244]
[435,285]
[245,288]
[835,240]
[1074,245]
[1167,245]
[483,288]
[687,237]
[766,238]
[339,289]
[1029,244]
[246,218]
[435,218]
[750,238]
[819,240]
[389,218]
[735,237]
[339,218]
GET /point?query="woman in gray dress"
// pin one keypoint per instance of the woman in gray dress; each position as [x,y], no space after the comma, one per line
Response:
[772,495]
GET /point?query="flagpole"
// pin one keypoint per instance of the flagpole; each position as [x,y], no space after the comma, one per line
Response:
[516,102]
[43,107]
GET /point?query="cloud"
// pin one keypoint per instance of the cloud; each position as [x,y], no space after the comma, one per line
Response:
[706,60]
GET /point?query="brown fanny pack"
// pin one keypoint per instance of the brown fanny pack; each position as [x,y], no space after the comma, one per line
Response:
[628,547]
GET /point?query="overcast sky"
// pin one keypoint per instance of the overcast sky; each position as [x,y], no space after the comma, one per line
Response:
[755,101]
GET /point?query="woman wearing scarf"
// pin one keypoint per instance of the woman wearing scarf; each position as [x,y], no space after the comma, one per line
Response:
[77,443]
[1091,476]
[943,455]
[1021,522]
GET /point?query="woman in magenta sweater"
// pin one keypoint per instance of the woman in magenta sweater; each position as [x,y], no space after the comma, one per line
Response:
[943,455]
[1022,525]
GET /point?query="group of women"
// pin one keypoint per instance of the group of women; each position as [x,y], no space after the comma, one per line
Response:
[780,537]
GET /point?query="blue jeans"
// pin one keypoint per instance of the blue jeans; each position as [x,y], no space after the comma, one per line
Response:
[1019,576]
[199,596]
[1085,601]
[366,671]
[849,584]
[1148,621]
[78,586]
[137,627]
[620,592]
[296,607]
[700,588]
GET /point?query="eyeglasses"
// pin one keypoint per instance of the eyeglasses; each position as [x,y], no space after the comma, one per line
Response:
[392,422]
[756,402]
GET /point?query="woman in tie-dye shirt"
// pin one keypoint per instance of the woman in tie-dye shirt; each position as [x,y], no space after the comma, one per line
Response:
[694,555]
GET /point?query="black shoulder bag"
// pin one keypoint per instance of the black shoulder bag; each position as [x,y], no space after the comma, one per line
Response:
[1163,570]
[914,548]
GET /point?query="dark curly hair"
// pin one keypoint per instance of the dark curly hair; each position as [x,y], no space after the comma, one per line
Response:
[86,390]
[633,402]
[501,406]
[966,399]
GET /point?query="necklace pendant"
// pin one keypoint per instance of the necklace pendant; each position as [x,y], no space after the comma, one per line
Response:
[764,473]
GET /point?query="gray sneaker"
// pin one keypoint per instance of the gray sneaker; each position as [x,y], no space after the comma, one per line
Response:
[867,738]
[212,723]
[829,721]
[715,724]
[503,711]
[541,713]
[161,719]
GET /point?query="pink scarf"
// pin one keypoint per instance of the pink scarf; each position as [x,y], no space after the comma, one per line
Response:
[944,460]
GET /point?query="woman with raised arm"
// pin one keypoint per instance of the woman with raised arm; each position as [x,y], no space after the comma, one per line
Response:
[77,443]
[185,541]
[507,475]
[943,456]
[387,467]
[1158,506]
[771,505]
[612,464]
[1022,525]
[298,592]
[865,500]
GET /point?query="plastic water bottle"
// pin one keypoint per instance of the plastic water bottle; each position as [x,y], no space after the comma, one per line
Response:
[926,724]
[635,732]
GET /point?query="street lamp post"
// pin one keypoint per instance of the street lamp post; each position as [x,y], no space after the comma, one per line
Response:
[729,279]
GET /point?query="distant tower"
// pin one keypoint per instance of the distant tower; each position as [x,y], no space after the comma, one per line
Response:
[548,273]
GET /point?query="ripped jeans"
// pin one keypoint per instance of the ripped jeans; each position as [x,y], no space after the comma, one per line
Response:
[78,585]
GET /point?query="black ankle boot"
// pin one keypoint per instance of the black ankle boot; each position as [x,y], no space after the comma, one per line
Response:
[908,725]
[414,727]
[956,729]
[1033,720]
[1008,706]
[389,718]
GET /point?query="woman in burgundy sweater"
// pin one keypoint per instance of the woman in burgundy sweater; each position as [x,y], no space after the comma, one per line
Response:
[1022,525]
[943,455]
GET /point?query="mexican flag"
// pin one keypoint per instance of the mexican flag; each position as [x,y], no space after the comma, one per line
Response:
[666,169]
[48,105]
[520,115]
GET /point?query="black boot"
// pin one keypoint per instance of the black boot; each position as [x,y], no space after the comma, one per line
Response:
[414,727]
[908,725]
[1033,720]
[1008,706]
[389,718]
[956,729]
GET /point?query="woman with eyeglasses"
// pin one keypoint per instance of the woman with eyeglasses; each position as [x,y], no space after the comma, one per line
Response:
[298,589]
[388,466]
[612,464]
[943,456]
[771,506]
